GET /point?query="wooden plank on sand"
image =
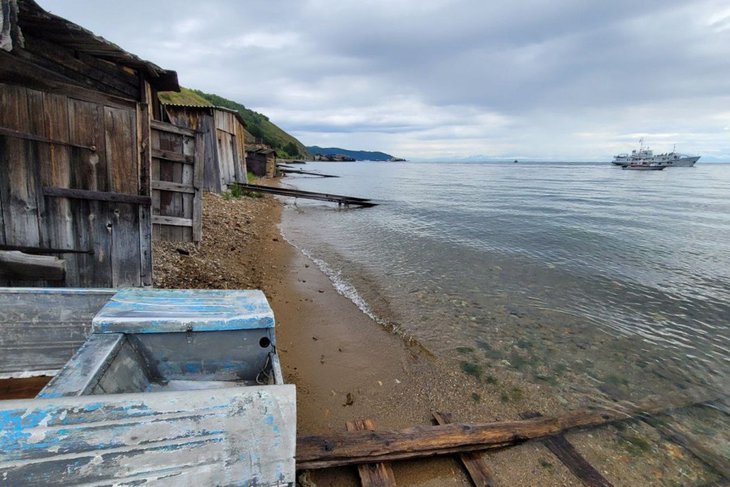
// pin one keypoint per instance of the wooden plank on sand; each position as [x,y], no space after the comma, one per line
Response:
[571,458]
[479,472]
[372,474]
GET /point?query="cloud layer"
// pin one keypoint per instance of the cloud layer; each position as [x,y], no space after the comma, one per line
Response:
[570,80]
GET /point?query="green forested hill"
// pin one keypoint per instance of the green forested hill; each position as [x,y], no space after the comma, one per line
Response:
[258,125]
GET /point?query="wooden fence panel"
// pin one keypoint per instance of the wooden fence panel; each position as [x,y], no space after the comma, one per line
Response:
[177,174]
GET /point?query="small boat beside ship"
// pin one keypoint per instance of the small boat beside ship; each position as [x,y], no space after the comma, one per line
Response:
[646,156]
[644,166]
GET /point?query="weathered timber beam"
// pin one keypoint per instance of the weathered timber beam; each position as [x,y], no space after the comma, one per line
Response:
[17,265]
[37,138]
[374,474]
[571,458]
[174,187]
[43,250]
[173,129]
[315,452]
[85,194]
[352,448]
[308,173]
[172,156]
[478,470]
[172,220]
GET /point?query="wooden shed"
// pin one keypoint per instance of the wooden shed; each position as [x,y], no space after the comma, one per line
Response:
[223,132]
[78,133]
[261,161]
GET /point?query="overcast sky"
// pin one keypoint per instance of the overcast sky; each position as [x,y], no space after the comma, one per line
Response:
[554,79]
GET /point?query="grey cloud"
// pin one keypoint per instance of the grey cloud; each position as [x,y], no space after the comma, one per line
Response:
[499,75]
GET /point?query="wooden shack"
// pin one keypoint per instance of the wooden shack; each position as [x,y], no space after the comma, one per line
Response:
[223,132]
[261,161]
[78,132]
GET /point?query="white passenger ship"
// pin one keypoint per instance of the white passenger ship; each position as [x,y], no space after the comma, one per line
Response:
[646,156]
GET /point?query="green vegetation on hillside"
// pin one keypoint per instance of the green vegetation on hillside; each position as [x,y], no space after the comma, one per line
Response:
[185,97]
[258,126]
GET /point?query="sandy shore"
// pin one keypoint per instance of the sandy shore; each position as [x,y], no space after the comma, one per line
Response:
[345,366]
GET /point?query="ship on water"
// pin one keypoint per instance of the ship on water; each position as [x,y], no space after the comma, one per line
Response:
[646,156]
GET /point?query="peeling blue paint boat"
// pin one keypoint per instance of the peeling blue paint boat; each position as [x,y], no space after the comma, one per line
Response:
[180,387]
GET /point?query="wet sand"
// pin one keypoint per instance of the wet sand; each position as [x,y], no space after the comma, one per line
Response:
[346,366]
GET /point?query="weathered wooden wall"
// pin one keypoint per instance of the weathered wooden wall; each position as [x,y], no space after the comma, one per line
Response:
[261,163]
[223,137]
[231,151]
[177,178]
[70,174]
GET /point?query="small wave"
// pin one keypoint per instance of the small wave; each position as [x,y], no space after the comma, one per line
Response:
[341,285]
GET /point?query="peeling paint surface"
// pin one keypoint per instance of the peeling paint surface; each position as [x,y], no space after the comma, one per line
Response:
[232,436]
[183,310]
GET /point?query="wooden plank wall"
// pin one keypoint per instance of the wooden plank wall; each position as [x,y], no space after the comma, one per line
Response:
[95,148]
[177,175]
[231,151]
[201,120]
[223,139]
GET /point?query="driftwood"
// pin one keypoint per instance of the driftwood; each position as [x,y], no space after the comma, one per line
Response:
[478,470]
[17,265]
[372,474]
[571,458]
[351,448]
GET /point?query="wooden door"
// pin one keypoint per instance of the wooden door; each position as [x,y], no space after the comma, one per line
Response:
[177,177]
[70,186]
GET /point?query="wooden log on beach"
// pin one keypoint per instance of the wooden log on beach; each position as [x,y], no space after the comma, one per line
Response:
[372,474]
[571,458]
[352,448]
[478,470]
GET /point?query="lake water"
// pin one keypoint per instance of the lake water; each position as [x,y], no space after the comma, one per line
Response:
[586,279]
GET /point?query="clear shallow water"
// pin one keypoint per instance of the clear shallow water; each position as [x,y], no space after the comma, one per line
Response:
[583,278]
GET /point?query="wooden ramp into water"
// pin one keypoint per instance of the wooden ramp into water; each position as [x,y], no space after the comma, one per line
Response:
[297,193]
[285,170]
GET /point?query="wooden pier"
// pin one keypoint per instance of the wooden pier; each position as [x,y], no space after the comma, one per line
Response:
[285,170]
[297,193]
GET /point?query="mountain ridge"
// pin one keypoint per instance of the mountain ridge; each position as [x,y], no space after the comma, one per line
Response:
[358,155]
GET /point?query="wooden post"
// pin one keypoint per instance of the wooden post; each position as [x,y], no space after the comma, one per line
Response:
[198,186]
[144,116]
[372,474]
